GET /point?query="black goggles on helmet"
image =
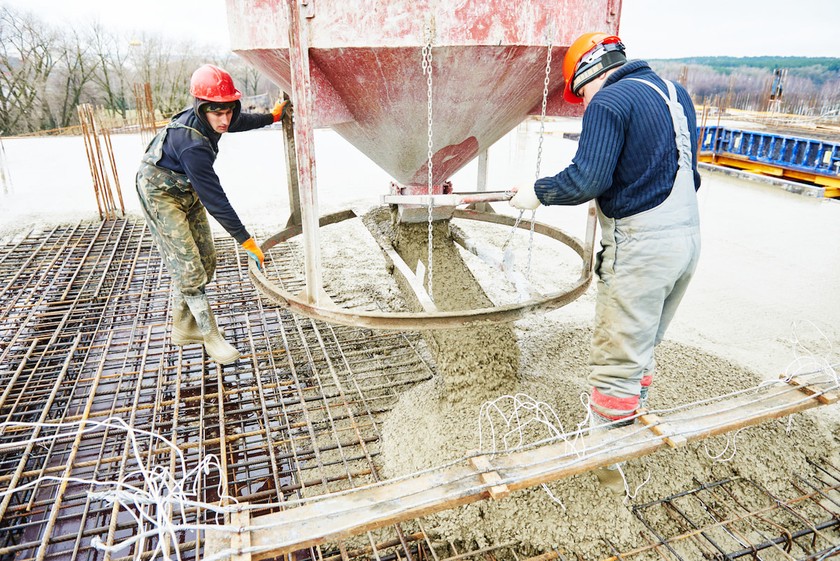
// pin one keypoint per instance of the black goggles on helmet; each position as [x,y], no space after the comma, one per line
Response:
[601,58]
[218,106]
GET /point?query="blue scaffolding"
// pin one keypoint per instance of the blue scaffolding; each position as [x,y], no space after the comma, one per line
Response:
[802,159]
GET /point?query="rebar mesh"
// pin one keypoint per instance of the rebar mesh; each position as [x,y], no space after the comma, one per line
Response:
[84,322]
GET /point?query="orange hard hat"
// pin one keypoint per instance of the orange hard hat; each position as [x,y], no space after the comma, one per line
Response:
[587,58]
[213,84]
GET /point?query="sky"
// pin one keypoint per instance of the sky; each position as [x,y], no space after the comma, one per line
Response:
[649,28]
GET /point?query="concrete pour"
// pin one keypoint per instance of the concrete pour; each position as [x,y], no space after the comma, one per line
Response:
[486,353]
[545,358]
[770,260]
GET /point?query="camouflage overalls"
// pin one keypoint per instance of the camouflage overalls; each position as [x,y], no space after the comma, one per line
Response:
[176,219]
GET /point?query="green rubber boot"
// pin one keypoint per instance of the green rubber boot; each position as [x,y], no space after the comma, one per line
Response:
[214,343]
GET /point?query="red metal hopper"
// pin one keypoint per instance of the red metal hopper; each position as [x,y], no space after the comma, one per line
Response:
[367,83]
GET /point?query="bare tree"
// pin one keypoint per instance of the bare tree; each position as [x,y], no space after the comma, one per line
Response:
[807,90]
[74,72]
[112,76]
[167,67]
[249,82]
[26,62]
[45,73]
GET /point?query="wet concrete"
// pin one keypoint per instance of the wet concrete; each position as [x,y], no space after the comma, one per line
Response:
[763,302]
[475,363]
[767,275]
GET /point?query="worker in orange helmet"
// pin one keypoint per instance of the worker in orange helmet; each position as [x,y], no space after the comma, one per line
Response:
[176,182]
[637,157]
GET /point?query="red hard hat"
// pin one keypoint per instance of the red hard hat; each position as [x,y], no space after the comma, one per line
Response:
[585,59]
[213,84]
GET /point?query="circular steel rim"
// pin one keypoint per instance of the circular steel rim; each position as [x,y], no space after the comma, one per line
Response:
[410,321]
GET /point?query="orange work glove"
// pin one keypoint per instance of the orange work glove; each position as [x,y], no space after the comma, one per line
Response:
[281,109]
[254,252]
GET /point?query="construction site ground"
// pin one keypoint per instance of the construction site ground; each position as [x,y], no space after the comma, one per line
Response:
[314,408]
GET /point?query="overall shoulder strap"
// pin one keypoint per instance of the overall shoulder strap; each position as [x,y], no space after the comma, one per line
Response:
[681,132]
[177,125]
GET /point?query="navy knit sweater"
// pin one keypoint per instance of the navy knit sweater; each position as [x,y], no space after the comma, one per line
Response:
[627,155]
[184,152]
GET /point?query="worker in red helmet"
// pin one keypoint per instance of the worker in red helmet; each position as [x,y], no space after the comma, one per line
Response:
[176,182]
[637,157]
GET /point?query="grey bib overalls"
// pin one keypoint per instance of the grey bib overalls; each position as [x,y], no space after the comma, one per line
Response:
[647,262]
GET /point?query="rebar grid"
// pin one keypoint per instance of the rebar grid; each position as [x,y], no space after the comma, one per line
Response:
[84,321]
[84,337]
[738,518]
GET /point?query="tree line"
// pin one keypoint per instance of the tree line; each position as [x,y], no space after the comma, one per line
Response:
[46,72]
[810,86]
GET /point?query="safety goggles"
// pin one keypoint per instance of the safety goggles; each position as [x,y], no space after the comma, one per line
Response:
[218,106]
[602,57]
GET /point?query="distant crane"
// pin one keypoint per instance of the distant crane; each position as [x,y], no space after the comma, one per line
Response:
[775,101]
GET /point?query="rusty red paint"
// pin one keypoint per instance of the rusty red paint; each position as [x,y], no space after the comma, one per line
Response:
[367,82]
[444,160]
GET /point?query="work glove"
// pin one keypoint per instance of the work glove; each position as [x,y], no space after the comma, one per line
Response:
[281,109]
[524,198]
[254,252]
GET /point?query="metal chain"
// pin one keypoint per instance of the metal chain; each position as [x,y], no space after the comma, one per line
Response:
[542,111]
[539,162]
[513,230]
[427,71]
[539,150]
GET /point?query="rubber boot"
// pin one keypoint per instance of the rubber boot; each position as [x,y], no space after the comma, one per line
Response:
[609,476]
[643,397]
[184,328]
[219,350]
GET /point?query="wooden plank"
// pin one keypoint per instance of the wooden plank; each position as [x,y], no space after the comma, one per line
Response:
[241,540]
[414,281]
[661,429]
[490,477]
[826,398]
[341,516]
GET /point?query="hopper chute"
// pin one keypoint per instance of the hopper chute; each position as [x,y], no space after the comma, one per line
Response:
[421,88]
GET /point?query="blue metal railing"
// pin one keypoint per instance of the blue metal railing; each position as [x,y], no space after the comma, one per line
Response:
[790,152]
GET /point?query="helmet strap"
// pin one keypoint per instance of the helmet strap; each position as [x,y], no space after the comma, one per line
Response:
[591,67]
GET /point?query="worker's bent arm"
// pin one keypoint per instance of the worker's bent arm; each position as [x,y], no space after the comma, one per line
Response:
[198,166]
[591,171]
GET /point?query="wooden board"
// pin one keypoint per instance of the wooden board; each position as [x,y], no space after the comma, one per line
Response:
[481,477]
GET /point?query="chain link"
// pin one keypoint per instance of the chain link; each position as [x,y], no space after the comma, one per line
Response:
[542,110]
[539,150]
[427,71]
[539,163]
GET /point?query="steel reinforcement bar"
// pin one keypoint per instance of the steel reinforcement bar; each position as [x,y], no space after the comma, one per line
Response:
[84,322]
[480,477]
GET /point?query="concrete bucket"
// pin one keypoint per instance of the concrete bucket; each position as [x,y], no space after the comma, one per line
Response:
[413,85]
[367,81]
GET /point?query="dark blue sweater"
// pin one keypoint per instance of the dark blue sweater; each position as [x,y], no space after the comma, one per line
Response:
[627,156]
[184,152]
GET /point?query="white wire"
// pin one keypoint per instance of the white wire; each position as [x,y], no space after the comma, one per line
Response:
[731,440]
[553,497]
[162,502]
[525,411]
